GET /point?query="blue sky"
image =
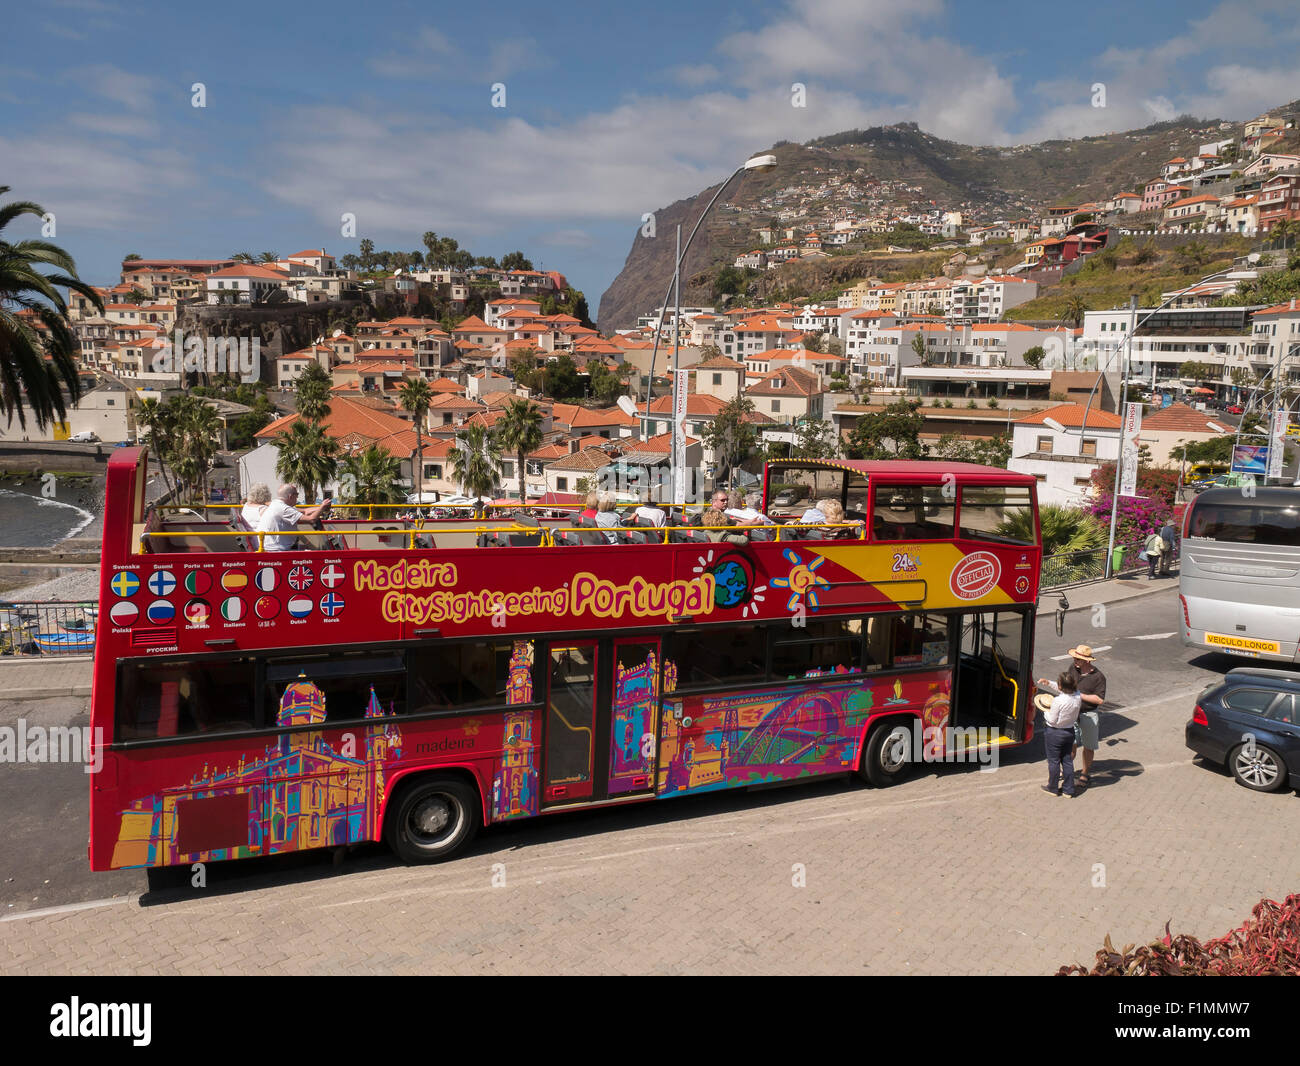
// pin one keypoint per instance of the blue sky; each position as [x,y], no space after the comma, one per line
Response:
[385,110]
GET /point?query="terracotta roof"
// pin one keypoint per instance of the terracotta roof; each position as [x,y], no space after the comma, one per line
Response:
[1289,307]
[345,417]
[446,385]
[449,402]
[1180,417]
[309,252]
[697,403]
[718,362]
[246,271]
[793,382]
[587,460]
[1072,415]
[570,414]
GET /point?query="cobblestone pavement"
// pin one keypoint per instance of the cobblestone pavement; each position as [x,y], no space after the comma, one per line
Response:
[955,871]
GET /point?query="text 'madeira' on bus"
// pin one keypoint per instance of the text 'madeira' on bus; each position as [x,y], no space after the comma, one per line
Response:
[410,681]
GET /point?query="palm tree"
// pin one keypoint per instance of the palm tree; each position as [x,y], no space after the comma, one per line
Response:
[242,257]
[1281,230]
[268,257]
[476,461]
[1073,311]
[313,394]
[520,431]
[416,397]
[308,456]
[1065,529]
[375,474]
[156,421]
[31,305]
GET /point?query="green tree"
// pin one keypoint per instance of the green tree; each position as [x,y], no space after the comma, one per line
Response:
[1064,529]
[1192,256]
[560,379]
[918,346]
[415,396]
[313,393]
[130,257]
[816,439]
[269,257]
[1034,356]
[308,456]
[1197,371]
[523,368]
[813,342]
[1146,254]
[1073,311]
[367,256]
[476,461]
[34,323]
[730,436]
[520,432]
[373,475]
[515,261]
[893,433]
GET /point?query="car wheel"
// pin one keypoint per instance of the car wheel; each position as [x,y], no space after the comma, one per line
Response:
[1258,767]
[432,820]
[887,754]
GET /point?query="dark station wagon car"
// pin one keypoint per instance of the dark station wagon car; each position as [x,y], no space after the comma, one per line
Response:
[1250,723]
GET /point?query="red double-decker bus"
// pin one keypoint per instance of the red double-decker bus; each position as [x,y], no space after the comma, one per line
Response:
[410,681]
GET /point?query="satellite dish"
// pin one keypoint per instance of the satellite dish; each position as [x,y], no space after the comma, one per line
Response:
[626,405]
[337,333]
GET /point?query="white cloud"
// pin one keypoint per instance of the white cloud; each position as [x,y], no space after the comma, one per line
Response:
[134,91]
[115,125]
[568,238]
[694,75]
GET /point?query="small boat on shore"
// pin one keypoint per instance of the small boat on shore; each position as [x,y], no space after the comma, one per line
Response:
[54,643]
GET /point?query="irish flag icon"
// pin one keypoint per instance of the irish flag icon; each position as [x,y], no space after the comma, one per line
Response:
[232,609]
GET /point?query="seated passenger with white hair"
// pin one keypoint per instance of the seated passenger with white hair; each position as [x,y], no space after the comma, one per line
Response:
[255,505]
[282,516]
[649,512]
[745,510]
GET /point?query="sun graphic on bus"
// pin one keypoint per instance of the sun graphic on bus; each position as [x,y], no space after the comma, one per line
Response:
[802,581]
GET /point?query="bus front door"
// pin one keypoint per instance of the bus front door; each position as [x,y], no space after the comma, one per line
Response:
[992,685]
[570,723]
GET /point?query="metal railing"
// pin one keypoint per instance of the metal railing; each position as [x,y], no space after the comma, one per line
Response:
[50,628]
[1077,568]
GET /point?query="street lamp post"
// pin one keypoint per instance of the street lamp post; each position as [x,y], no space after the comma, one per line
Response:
[759,163]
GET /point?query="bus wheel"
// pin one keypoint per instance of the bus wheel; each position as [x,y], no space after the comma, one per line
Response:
[1258,767]
[887,755]
[433,820]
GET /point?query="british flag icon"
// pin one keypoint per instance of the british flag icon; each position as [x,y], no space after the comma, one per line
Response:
[301,578]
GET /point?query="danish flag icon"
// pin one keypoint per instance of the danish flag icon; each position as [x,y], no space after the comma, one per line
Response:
[331,576]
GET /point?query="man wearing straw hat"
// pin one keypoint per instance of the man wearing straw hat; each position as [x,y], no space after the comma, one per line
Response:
[1091,685]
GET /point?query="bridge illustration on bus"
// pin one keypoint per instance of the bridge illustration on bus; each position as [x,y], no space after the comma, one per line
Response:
[412,681]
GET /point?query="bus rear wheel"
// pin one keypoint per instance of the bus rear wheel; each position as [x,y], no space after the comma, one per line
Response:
[433,820]
[887,754]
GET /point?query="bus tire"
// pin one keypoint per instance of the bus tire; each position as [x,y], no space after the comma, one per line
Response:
[432,819]
[887,754]
[1264,771]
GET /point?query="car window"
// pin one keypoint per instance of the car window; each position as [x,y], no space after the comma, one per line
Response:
[1284,710]
[1253,700]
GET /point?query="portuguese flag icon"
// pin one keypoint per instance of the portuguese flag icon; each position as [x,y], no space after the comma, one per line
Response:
[232,609]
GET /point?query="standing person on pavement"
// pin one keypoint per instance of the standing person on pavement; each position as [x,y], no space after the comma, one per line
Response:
[1154,547]
[1169,534]
[1091,684]
[1060,717]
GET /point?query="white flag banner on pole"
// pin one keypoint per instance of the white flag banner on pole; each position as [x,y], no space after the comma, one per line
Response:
[680,382]
[1277,443]
[1132,441]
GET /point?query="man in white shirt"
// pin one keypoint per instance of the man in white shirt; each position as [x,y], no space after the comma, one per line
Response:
[281,515]
[649,512]
[259,496]
[1058,738]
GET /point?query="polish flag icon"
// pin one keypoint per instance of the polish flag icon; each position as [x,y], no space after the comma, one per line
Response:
[124,613]
[331,576]
[232,609]
[300,606]
[267,579]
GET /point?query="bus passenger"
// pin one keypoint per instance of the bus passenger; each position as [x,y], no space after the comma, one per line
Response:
[714,517]
[255,504]
[281,516]
[649,512]
[606,516]
[593,498]
[745,509]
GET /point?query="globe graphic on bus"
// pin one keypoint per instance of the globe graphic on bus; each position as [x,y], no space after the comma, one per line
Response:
[732,580]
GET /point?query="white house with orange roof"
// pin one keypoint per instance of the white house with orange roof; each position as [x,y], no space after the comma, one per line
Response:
[720,377]
[289,367]
[315,259]
[1241,215]
[1191,213]
[787,395]
[1061,447]
[244,284]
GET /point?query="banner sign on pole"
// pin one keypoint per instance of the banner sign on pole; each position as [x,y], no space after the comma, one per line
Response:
[681,379]
[1277,443]
[1132,441]
[1250,459]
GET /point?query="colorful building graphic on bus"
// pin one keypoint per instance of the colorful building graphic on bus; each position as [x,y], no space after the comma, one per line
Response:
[300,793]
[712,742]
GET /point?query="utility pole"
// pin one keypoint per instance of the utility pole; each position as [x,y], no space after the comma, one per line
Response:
[1119,459]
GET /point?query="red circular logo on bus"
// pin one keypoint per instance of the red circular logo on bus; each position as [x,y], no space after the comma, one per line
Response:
[975,575]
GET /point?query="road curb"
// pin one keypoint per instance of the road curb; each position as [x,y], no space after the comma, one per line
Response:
[1142,594]
[45,693]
